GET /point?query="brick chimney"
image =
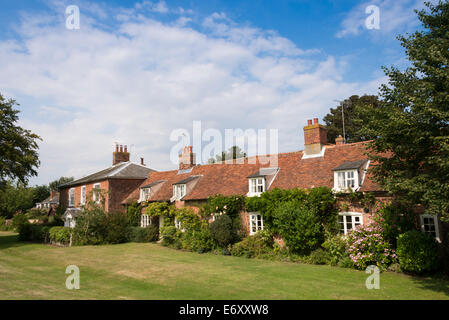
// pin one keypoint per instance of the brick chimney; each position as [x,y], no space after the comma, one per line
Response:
[187,158]
[120,155]
[339,140]
[315,137]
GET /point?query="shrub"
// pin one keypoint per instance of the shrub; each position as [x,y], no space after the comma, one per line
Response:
[148,234]
[320,256]
[133,214]
[366,246]
[91,226]
[253,246]
[199,240]
[335,245]
[394,218]
[222,230]
[3,226]
[299,227]
[18,220]
[117,230]
[59,235]
[417,252]
[169,235]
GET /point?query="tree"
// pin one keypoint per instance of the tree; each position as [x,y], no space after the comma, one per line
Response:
[18,147]
[353,118]
[234,152]
[56,183]
[40,193]
[411,151]
[15,199]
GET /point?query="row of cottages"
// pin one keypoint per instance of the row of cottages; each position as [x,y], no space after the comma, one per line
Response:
[50,204]
[340,166]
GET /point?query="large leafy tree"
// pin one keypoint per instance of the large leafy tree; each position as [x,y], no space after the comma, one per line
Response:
[412,126]
[18,147]
[354,117]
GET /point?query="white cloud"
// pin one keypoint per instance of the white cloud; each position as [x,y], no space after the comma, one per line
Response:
[89,88]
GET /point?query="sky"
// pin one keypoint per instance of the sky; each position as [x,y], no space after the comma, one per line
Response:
[139,72]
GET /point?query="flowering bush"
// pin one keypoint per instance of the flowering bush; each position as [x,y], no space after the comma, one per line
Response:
[366,246]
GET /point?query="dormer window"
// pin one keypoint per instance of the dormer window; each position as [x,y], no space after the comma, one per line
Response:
[179,191]
[349,175]
[144,194]
[346,180]
[256,186]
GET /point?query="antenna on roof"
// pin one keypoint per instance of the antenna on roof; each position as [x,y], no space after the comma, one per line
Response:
[342,103]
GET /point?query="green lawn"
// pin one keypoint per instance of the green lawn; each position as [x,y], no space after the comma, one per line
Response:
[150,271]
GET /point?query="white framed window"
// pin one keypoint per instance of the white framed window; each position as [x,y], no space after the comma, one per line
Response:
[144,220]
[144,193]
[71,197]
[429,224]
[178,224]
[96,193]
[179,191]
[349,220]
[346,179]
[83,195]
[256,186]
[255,222]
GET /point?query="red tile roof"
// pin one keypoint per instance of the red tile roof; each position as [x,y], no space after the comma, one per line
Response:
[232,179]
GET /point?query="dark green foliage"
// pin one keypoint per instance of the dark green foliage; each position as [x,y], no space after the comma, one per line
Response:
[117,227]
[19,158]
[417,252]
[59,235]
[91,226]
[335,245]
[170,236]
[320,200]
[18,220]
[299,226]
[133,213]
[320,256]
[222,230]
[412,126]
[199,240]
[254,246]
[230,205]
[15,198]
[148,234]
[395,218]
[353,118]
[32,232]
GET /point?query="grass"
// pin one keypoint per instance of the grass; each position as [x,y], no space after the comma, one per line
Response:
[150,271]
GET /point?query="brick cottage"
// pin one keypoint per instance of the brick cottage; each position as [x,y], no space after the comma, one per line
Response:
[338,166]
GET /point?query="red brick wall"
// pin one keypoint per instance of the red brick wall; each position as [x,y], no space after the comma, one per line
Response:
[315,133]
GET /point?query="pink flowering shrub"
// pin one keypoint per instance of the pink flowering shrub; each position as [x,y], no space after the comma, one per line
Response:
[367,246]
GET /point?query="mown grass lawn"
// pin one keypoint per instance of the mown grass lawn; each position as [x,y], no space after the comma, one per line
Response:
[150,271]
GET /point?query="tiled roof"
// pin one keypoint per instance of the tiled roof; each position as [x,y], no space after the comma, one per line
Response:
[351,165]
[52,199]
[232,179]
[123,170]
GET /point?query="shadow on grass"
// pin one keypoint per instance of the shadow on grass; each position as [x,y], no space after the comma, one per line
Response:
[10,240]
[438,283]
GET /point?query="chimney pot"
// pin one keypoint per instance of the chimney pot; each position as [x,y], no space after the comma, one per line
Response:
[116,147]
[187,158]
[309,122]
[315,120]
[126,148]
[142,162]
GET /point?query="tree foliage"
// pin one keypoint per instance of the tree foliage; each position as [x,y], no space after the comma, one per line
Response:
[412,126]
[19,158]
[54,185]
[354,117]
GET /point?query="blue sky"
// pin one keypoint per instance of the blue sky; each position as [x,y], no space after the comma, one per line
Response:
[137,70]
